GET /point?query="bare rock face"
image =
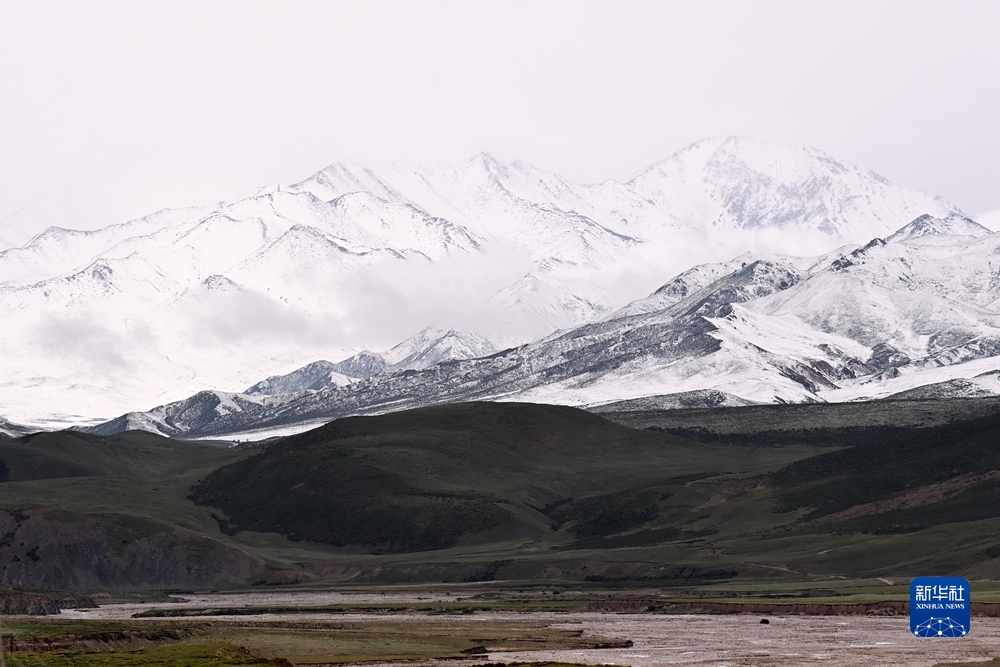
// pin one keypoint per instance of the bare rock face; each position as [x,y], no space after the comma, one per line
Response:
[45,548]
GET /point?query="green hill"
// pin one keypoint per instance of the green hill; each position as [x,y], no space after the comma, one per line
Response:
[422,479]
[955,467]
[497,491]
[87,512]
[74,454]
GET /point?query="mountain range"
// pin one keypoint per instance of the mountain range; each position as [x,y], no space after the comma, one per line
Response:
[503,281]
[910,316]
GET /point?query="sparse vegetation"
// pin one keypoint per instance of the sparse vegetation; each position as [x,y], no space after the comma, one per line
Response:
[212,644]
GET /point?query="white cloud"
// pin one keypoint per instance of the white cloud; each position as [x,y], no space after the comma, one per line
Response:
[79,340]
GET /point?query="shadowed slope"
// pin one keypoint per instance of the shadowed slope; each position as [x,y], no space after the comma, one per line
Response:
[424,478]
[966,452]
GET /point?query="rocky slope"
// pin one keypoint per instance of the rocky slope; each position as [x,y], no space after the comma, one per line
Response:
[41,604]
[87,552]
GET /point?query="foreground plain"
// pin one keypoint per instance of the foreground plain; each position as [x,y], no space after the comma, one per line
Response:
[110,637]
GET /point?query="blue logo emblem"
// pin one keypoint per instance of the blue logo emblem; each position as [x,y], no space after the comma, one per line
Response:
[940,606]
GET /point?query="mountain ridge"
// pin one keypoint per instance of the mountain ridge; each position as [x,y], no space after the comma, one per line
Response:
[361,257]
[756,330]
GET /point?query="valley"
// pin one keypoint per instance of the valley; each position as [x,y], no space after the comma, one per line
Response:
[795,434]
[518,533]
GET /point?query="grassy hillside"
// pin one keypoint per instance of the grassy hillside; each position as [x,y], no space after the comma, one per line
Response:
[664,510]
[927,502]
[90,512]
[838,480]
[423,479]
[74,454]
[830,424]
[492,492]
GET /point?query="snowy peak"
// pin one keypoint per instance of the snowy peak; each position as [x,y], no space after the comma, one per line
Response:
[305,259]
[783,165]
[12,430]
[953,225]
[428,348]
[339,179]
[392,224]
[747,281]
[314,376]
[321,375]
[362,365]
[682,286]
[219,283]
[739,183]
[755,280]
[182,417]
[56,252]
[856,256]
[433,346]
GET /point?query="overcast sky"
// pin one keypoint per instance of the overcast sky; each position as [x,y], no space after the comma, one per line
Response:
[111,110]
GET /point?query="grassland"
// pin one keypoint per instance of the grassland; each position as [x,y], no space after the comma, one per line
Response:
[501,495]
[207,643]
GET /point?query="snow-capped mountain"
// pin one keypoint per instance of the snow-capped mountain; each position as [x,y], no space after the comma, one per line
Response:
[925,225]
[360,257]
[740,184]
[723,184]
[864,322]
[426,349]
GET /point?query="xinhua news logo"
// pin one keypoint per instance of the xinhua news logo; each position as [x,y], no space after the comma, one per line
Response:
[940,607]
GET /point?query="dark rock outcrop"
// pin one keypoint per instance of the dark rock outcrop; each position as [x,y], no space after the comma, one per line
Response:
[43,548]
[22,603]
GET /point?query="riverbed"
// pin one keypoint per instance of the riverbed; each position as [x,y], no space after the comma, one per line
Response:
[734,640]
